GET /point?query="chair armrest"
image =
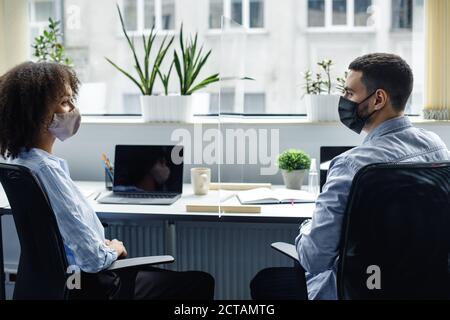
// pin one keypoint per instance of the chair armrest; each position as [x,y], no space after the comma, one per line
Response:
[142,261]
[287,249]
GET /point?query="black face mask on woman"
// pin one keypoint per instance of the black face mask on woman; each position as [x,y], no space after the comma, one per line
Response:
[348,114]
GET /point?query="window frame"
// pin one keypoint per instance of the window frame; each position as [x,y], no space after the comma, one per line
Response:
[349,26]
[140,23]
[226,11]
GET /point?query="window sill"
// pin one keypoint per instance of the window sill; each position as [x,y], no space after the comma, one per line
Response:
[289,120]
[159,33]
[249,31]
[327,30]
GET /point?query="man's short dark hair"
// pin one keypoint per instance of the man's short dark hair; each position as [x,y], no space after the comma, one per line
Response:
[27,94]
[388,72]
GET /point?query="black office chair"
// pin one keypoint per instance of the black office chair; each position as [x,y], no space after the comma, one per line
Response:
[398,220]
[43,267]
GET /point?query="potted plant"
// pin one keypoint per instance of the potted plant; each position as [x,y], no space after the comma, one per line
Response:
[168,107]
[188,63]
[48,46]
[153,107]
[293,164]
[321,102]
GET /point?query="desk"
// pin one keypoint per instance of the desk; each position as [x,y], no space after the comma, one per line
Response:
[293,214]
[285,213]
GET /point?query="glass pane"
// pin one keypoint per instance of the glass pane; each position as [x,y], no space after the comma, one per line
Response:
[255,103]
[226,101]
[44,10]
[168,15]
[316,13]
[232,146]
[149,14]
[130,14]
[215,13]
[236,11]
[284,91]
[362,12]
[256,13]
[402,14]
[339,12]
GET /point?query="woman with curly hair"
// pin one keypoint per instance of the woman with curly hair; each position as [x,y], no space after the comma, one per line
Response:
[37,106]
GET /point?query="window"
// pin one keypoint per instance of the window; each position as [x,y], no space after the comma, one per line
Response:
[215,13]
[402,14]
[316,13]
[276,60]
[143,15]
[40,11]
[256,14]
[254,103]
[340,14]
[249,13]
[362,15]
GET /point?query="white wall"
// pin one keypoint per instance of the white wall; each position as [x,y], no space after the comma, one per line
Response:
[83,152]
[13,44]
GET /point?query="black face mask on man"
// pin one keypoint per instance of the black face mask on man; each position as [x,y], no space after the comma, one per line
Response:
[348,114]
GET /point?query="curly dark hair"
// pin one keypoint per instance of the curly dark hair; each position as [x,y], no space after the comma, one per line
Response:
[388,72]
[28,93]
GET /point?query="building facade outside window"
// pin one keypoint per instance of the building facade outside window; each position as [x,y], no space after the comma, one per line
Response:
[340,14]
[402,14]
[297,35]
[39,13]
[249,13]
[142,15]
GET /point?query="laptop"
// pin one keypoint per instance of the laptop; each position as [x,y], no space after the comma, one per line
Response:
[146,175]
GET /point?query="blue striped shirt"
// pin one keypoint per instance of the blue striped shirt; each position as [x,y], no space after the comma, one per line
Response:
[393,141]
[80,228]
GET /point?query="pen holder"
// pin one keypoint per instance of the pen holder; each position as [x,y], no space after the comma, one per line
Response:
[108,179]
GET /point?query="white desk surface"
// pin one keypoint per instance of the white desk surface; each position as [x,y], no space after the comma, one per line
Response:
[177,211]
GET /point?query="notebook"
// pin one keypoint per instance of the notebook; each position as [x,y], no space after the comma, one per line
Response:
[277,196]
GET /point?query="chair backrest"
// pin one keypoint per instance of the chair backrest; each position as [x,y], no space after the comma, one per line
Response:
[396,235]
[43,263]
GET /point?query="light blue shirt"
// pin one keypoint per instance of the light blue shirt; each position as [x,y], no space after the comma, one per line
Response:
[80,228]
[394,141]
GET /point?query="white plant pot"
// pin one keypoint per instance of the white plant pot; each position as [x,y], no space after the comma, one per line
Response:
[293,179]
[322,107]
[171,108]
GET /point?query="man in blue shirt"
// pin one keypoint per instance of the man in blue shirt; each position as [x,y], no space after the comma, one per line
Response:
[377,89]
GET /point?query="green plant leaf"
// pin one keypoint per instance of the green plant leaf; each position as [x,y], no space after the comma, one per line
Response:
[294,159]
[177,63]
[131,45]
[127,75]
[204,83]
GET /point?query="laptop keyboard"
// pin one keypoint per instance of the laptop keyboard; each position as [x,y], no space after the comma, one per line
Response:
[145,195]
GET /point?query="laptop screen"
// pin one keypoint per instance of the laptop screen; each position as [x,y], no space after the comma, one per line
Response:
[148,169]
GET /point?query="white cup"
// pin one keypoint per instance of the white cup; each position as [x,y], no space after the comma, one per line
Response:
[200,180]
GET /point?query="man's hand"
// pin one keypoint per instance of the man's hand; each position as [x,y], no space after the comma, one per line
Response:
[118,247]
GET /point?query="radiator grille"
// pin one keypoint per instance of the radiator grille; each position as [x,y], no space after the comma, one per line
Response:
[232,252]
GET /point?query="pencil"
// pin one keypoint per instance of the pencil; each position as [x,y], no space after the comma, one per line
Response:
[105,158]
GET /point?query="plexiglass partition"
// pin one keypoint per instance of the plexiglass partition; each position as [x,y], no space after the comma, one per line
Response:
[231,101]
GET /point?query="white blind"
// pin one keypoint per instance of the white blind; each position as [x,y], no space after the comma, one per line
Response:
[437,98]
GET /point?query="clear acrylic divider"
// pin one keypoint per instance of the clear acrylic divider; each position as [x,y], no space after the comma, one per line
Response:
[230,162]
